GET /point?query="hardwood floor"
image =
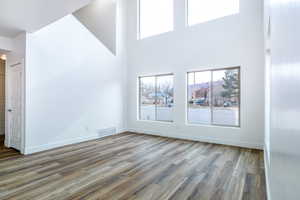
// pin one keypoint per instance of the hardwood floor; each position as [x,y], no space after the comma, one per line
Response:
[6,153]
[133,166]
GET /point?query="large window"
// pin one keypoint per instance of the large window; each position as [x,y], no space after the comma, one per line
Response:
[156,98]
[155,17]
[214,97]
[200,11]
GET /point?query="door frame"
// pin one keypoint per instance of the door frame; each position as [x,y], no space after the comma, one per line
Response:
[8,65]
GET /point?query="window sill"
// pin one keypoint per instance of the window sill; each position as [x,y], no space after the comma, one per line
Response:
[213,126]
[159,122]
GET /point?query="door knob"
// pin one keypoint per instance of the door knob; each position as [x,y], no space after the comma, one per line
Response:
[9,110]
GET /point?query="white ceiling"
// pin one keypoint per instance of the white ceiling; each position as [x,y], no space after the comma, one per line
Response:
[30,15]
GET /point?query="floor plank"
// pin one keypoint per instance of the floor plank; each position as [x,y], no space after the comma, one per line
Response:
[134,166]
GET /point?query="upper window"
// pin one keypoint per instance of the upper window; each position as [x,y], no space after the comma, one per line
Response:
[156,98]
[155,17]
[200,11]
[214,97]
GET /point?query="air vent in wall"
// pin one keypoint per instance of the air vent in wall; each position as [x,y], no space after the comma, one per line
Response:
[107,132]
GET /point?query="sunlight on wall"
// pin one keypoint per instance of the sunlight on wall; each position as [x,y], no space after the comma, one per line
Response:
[156,17]
[200,11]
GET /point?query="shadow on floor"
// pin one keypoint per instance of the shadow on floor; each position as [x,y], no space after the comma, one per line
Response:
[7,153]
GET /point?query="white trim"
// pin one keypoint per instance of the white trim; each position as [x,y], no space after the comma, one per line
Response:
[139,96]
[6,142]
[8,65]
[212,125]
[44,147]
[211,70]
[156,121]
[23,136]
[7,136]
[266,163]
[138,24]
[39,148]
[201,139]
[121,130]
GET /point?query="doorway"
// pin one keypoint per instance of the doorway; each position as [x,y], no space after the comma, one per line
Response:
[14,105]
[2,100]
[5,153]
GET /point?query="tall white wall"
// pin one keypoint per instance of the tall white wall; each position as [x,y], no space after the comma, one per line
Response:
[75,86]
[235,40]
[283,172]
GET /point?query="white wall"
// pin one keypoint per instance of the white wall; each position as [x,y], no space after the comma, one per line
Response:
[18,49]
[284,169]
[5,44]
[75,85]
[231,41]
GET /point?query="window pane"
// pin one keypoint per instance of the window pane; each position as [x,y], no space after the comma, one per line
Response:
[199,97]
[165,98]
[156,16]
[147,98]
[226,97]
[204,10]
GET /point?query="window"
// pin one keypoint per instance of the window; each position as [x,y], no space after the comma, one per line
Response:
[156,98]
[199,97]
[200,11]
[214,97]
[155,17]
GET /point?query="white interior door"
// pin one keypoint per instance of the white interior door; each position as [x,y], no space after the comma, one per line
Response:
[14,105]
[2,97]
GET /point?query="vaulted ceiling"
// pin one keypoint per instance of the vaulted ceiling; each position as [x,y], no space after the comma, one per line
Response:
[98,16]
[30,15]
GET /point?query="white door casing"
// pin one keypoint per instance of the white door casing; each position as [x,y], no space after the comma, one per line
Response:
[2,97]
[14,105]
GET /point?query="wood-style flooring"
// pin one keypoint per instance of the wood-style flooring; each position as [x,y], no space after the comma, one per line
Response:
[133,166]
[6,153]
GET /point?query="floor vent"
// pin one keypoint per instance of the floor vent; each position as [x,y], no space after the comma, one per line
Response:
[107,132]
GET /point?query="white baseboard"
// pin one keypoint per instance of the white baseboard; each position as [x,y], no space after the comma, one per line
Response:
[266,161]
[44,147]
[201,139]
[39,148]
[6,143]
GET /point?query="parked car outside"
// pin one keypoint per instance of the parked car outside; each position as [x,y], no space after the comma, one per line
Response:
[200,101]
[227,104]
